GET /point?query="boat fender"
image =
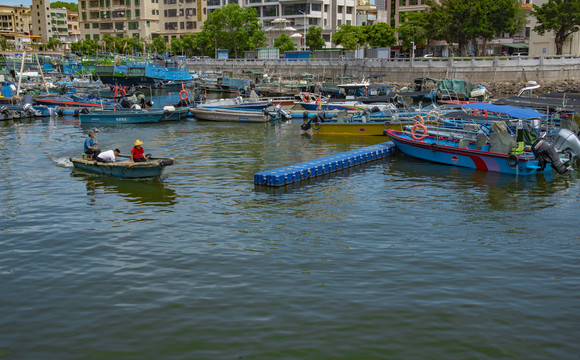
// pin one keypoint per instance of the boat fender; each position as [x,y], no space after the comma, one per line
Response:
[316,125]
[419,120]
[434,147]
[422,127]
[513,160]
[166,162]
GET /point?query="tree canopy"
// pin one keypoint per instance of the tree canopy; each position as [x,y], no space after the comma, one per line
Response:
[284,42]
[234,28]
[459,21]
[560,16]
[314,40]
[379,35]
[415,30]
[349,36]
[73,7]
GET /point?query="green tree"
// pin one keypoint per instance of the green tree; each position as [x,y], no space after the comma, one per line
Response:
[234,28]
[560,16]
[414,30]
[159,45]
[4,44]
[284,42]
[461,21]
[349,36]
[53,44]
[314,39]
[379,35]
[176,46]
[73,7]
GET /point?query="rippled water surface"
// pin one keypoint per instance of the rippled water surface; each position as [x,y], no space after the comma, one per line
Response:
[400,259]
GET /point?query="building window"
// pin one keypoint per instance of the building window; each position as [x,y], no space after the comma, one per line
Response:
[87,37]
[348,22]
[339,22]
[95,25]
[316,7]
[181,12]
[136,2]
[349,9]
[134,26]
[137,13]
[96,37]
[87,26]
[402,2]
[190,25]
[170,26]
[182,25]
[340,9]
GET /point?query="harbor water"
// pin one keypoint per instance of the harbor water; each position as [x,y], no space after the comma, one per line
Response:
[396,259]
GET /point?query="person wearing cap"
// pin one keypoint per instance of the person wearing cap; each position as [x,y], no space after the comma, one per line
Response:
[137,152]
[91,147]
[109,156]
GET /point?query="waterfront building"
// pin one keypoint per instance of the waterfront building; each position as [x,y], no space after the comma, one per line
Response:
[179,17]
[543,45]
[118,18]
[300,14]
[41,21]
[74,31]
[14,19]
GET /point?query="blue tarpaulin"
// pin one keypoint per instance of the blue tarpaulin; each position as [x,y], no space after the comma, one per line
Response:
[515,112]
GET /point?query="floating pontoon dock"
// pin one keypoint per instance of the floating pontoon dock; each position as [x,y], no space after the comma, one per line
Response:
[326,165]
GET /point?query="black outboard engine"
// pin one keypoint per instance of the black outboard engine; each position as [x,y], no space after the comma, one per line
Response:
[546,154]
[125,103]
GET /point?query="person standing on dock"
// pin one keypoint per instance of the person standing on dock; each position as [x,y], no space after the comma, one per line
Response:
[137,152]
[91,147]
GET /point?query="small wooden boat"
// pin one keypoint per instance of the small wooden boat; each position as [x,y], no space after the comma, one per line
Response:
[125,168]
[466,153]
[225,114]
[128,116]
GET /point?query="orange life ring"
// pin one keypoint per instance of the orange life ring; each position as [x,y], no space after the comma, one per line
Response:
[306,97]
[419,120]
[121,92]
[485,113]
[118,62]
[423,127]
[183,94]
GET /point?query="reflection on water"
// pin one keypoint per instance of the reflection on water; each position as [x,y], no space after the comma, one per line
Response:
[142,192]
[504,192]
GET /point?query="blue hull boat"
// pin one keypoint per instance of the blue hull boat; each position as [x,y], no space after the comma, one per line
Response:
[133,116]
[125,169]
[466,154]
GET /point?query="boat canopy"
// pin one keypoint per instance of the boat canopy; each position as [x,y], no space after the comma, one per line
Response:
[515,112]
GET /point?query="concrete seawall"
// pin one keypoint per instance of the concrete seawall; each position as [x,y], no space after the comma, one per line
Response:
[475,70]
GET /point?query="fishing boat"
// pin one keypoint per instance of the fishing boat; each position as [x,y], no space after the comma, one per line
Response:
[172,113]
[228,115]
[126,116]
[126,169]
[542,157]
[73,101]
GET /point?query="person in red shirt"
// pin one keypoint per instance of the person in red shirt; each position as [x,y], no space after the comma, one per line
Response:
[137,152]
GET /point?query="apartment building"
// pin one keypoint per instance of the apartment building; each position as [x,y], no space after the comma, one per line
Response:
[301,14]
[120,18]
[74,31]
[41,21]
[179,17]
[15,19]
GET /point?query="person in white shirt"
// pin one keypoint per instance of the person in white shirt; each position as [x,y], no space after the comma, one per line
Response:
[109,156]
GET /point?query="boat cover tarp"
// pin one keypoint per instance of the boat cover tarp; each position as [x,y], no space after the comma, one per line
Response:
[515,112]
[456,86]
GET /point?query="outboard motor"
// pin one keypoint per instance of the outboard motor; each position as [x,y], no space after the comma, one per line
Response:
[283,113]
[566,140]
[125,103]
[546,154]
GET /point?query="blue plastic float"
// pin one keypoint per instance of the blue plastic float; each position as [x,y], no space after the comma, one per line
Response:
[326,165]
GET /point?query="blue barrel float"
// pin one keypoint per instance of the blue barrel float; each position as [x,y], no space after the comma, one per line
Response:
[326,165]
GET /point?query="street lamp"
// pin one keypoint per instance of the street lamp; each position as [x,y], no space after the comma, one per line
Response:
[304,39]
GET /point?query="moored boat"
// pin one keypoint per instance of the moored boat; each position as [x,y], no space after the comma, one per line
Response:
[125,169]
[465,153]
[228,115]
[129,116]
